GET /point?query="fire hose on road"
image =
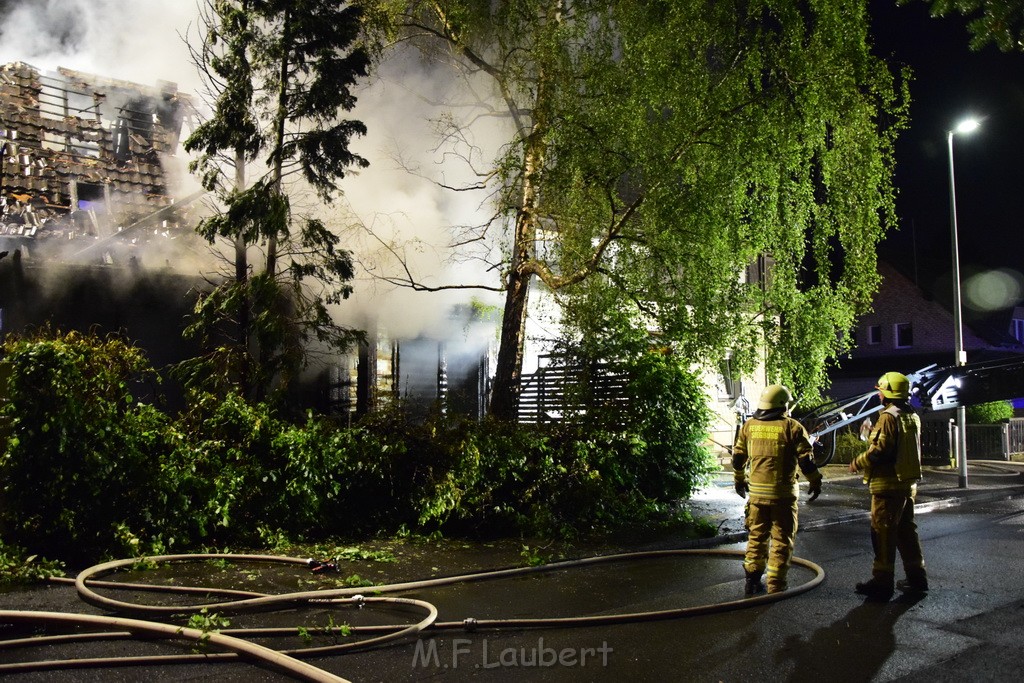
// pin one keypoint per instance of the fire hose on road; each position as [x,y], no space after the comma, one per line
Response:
[289,661]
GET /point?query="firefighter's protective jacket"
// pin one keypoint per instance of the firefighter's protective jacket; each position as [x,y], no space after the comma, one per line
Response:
[773,446]
[892,462]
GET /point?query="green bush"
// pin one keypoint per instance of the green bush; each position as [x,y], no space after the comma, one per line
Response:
[989,413]
[83,457]
[342,481]
[667,409]
[90,472]
[621,466]
[848,445]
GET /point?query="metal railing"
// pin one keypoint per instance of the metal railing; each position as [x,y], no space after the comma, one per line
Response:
[984,442]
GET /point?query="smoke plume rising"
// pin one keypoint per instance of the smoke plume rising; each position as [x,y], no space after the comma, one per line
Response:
[144,41]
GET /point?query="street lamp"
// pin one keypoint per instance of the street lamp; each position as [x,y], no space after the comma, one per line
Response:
[965,126]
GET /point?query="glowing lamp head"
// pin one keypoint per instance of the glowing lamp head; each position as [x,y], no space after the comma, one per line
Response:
[967,126]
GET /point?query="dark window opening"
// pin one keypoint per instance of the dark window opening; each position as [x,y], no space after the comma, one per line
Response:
[732,387]
[904,335]
[874,334]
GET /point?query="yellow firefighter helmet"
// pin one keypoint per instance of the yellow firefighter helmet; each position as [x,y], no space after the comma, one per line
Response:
[774,396]
[894,385]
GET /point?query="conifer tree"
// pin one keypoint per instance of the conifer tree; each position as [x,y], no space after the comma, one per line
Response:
[280,74]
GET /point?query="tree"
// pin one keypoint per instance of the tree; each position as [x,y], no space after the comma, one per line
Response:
[999,22]
[279,73]
[658,147]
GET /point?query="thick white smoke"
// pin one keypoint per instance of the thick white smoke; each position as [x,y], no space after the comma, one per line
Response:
[144,41]
[406,201]
[134,40]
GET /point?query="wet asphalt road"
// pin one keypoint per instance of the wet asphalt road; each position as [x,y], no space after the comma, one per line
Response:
[967,628]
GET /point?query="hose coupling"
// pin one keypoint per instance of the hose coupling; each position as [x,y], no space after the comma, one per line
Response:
[318,567]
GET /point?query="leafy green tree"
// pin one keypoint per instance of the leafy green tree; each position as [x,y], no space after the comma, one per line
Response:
[996,22]
[659,147]
[279,72]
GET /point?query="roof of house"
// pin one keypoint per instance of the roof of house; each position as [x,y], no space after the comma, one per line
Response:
[900,302]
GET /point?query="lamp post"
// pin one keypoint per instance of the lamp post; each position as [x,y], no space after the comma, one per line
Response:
[965,126]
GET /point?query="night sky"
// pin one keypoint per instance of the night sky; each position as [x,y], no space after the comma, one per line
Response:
[950,83]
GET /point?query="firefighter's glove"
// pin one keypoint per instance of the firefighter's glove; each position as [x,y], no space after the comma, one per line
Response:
[813,490]
[741,489]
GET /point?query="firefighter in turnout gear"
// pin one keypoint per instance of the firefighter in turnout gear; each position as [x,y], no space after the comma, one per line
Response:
[891,467]
[769,448]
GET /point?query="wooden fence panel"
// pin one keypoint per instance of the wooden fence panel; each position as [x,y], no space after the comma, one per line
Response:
[560,393]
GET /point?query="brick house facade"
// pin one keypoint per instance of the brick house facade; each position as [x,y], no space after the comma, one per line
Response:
[906,331]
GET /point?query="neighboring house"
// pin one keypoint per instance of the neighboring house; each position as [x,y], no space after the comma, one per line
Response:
[730,394]
[906,331]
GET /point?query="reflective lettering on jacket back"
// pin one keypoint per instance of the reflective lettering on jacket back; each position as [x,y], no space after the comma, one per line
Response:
[766,440]
[772,474]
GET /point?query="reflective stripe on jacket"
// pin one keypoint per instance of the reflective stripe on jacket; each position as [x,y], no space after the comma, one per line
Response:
[773,450]
[892,462]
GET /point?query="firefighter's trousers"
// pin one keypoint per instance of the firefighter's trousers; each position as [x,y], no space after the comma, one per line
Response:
[771,536]
[893,530]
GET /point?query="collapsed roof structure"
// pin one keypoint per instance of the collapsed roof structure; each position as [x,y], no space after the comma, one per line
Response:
[84,164]
[87,194]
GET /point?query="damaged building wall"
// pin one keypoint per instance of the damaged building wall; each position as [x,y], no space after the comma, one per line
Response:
[419,375]
[83,158]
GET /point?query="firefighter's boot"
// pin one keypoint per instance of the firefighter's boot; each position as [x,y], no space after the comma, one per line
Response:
[753,585]
[916,582]
[879,588]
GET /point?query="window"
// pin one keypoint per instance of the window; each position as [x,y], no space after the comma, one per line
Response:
[759,272]
[904,334]
[731,386]
[874,334]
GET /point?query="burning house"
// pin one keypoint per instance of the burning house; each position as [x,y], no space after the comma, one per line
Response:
[83,164]
[86,201]
[90,230]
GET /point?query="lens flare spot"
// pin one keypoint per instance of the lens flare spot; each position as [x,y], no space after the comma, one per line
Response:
[993,290]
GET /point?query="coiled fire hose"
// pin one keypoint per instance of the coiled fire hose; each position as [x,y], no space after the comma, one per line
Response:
[289,662]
